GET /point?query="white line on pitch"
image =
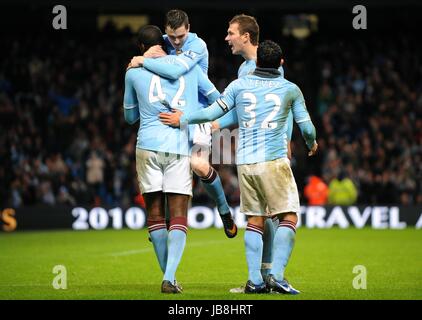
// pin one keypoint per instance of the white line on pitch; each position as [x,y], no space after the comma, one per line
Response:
[145,250]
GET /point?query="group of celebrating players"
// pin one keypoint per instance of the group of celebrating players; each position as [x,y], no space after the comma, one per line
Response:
[168,91]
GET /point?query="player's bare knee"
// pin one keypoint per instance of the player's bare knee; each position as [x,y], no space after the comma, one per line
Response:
[289,216]
[257,221]
[200,166]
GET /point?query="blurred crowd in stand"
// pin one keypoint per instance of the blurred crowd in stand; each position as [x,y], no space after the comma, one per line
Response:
[63,138]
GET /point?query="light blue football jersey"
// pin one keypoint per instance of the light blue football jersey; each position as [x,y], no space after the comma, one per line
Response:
[150,94]
[230,118]
[262,107]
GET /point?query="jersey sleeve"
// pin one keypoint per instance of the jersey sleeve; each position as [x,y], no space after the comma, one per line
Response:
[206,87]
[172,70]
[227,100]
[130,100]
[302,118]
[179,65]
[211,113]
[222,105]
[228,120]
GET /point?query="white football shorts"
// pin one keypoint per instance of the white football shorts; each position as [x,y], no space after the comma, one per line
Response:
[268,188]
[163,171]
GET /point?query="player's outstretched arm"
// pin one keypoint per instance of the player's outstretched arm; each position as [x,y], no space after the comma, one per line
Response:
[227,103]
[177,118]
[227,120]
[222,105]
[211,113]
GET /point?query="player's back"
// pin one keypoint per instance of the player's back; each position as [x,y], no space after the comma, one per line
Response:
[155,95]
[262,106]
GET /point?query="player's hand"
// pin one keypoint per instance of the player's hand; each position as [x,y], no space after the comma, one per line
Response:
[155,52]
[215,126]
[313,149]
[129,65]
[171,119]
[137,61]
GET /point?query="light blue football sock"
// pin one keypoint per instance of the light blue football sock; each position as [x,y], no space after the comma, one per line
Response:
[176,246]
[267,252]
[214,188]
[284,241]
[253,248]
[159,241]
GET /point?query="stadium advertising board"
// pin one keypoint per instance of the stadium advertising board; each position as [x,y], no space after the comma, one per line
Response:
[202,217]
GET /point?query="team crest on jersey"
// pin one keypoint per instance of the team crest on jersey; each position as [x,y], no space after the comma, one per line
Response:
[190,54]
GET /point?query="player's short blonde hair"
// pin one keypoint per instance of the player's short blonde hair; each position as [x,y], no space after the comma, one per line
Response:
[247,24]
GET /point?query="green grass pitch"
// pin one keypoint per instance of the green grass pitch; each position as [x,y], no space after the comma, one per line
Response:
[120,264]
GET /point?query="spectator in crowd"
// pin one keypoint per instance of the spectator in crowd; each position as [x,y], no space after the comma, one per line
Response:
[316,191]
[342,191]
[95,172]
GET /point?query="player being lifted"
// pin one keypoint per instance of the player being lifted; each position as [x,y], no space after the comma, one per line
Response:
[162,160]
[262,102]
[192,51]
[243,37]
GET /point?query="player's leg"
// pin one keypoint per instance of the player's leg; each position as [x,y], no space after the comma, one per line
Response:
[284,241]
[178,205]
[267,252]
[270,229]
[157,229]
[212,184]
[150,178]
[177,185]
[283,201]
[253,206]
[253,250]
[271,226]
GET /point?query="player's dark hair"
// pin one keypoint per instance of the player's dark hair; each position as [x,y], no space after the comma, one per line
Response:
[268,55]
[247,24]
[149,36]
[176,18]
